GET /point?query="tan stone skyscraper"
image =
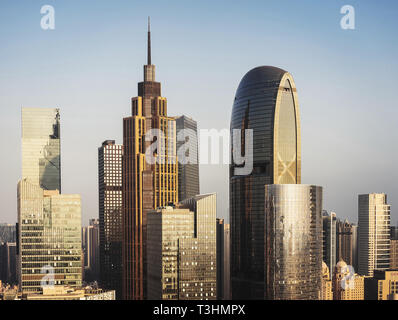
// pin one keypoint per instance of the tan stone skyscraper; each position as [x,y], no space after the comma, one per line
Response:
[149,174]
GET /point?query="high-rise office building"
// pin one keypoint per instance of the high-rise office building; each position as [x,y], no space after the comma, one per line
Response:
[90,241]
[182,258]
[49,242]
[8,264]
[347,285]
[7,233]
[223,261]
[188,156]
[110,215]
[266,102]
[382,286]
[293,242]
[344,242]
[394,233]
[329,239]
[41,147]
[150,175]
[354,243]
[373,233]
[394,255]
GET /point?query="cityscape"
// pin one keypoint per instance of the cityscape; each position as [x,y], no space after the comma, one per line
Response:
[159,234]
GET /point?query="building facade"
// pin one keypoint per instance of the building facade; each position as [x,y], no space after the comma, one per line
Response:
[90,240]
[347,285]
[7,233]
[293,242]
[110,215]
[223,261]
[8,265]
[373,233]
[41,147]
[265,102]
[329,239]
[150,175]
[345,242]
[188,156]
[182,253]
[394,255]
[382,286]
[49,242]
[327,293]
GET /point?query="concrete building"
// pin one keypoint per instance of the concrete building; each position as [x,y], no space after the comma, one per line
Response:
[382,286]
[181,250]
[347,285]
[327,293]
[293,243]
[373,233]
[69,293]
[394,255]
[223,261]
[110,215]
[150,175]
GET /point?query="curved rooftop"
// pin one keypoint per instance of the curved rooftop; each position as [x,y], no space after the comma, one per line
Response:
[261,74]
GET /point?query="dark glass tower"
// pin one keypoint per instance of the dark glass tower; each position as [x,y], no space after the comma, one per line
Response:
[266,102]
[188,173]
[110,215]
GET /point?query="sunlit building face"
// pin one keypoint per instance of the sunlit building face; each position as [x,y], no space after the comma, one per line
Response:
[266,102]
[41,148]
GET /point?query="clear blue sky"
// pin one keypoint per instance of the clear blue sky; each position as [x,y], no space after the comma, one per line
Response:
[90,64]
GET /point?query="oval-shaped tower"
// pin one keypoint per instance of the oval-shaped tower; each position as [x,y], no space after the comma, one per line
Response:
[266,102]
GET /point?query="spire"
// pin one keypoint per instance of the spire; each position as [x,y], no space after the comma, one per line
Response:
[149,41]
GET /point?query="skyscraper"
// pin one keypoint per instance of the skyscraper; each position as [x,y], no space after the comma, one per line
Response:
[345,235]
[293,242]
[110,215]
[49,223]
[266,102]
[182,260]
[91,239]
[41,147]
[373,233]
[187,144]
[223,261]
[150,174]
[329,239]
[49,243]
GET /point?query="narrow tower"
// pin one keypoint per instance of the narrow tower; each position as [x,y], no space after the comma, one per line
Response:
[149,175]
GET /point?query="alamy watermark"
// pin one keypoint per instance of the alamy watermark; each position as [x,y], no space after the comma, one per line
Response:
[214,146]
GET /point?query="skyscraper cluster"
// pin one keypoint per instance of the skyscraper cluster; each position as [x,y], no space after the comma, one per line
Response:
[156,237]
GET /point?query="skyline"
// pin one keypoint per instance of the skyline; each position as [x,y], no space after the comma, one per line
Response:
[93,92]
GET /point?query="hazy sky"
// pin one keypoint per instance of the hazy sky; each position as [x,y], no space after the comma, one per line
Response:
[90,64]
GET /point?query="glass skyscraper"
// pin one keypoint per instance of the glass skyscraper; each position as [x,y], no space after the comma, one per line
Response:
[49,223]
[41,148]
[293,242]
[188,173]
[266,102]
[49,245]
[373,233]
